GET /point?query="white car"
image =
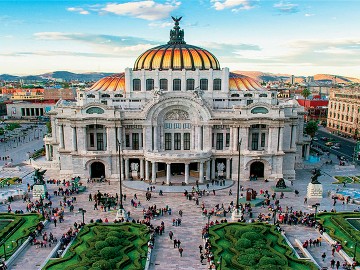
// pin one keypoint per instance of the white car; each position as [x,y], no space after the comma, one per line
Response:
[335,147]
[315,139]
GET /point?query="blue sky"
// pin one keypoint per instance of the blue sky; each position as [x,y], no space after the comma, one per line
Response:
[293,37]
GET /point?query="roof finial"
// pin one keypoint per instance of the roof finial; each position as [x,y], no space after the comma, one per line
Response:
[176,35]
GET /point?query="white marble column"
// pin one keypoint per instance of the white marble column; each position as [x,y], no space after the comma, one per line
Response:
[140,140]
[246,138]
[74,141]
[207,138]
[208,167]
[228,168]
[141,168]
[187,172]
[270,142]
[147,170]
[127,170]
[307,153]
[155,138]
[61,136]
[281,138]
[201,173]
[47,152]
[82,137]
[236,139]
[193,138]
[119,135]
[231,138]
[213,168]
[168,173]
[198,138]
[111,142]
[293,136]
[153,172]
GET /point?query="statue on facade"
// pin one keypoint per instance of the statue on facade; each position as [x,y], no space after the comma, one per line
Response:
[281,183]
[134,167]
[197,92]
[220,168]
[316,173]
[157,92]
[39,177]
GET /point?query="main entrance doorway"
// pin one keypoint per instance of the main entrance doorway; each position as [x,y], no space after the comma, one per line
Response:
[177,168]
[97,170]
[257,169]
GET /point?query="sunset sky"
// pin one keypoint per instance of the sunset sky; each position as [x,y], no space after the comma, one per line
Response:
[293,37]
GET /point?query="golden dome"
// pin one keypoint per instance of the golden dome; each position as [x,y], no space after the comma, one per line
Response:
[115,82]
[239,82]
[176,55]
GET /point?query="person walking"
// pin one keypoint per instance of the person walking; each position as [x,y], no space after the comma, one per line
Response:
[323,256]
[171,235]
[200,248]
[332,263]
[175,243]
[55,221]
[337,264]
[181,251]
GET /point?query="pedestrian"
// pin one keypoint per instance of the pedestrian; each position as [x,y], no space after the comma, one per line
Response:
[323,256]
[319,240]
[178,243]
[333,251]
[181,251]
[200,248]
[180,213]
[230,192]
[175,243]
[305,200]
[201,258]
[214,192]
[332,263]
[337,264]
[55,221]
[171,235]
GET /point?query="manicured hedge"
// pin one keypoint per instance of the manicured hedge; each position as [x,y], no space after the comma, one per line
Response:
[253,246]
[106,246]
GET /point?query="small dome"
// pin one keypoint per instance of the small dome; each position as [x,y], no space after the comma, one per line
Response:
[176,55]
[113,83]
[239,82]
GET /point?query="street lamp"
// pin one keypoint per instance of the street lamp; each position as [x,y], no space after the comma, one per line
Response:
[274,210]
[316,205]
[219,262]
[121,213]
[83,211]
[237,214]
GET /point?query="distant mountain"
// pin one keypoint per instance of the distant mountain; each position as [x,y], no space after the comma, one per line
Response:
[271,77]
[7,77]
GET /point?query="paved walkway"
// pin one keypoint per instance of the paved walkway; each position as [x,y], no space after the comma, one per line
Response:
[189,233]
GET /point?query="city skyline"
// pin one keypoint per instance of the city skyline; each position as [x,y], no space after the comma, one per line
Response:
[294,37]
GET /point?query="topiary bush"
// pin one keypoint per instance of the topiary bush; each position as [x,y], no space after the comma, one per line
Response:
[99,245]
[113,241]
[243,243]
[109,253]
[102,264]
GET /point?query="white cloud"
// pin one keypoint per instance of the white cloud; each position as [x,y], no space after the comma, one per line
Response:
[309,15]
[78,10]
[160,24]
[235,5]
[286,7]
[147,10]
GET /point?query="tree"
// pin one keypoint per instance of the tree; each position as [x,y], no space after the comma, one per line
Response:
[306,93]
[311,128]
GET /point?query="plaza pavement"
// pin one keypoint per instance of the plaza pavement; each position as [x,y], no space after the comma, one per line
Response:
[189,233]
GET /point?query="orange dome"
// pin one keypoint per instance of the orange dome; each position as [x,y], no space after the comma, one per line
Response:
[176,55]
[239,82]
[115,82]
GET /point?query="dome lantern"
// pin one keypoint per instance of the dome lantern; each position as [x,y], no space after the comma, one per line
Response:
[177,34]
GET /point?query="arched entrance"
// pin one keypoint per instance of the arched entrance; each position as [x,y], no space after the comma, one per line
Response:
[97,170]
[257,169]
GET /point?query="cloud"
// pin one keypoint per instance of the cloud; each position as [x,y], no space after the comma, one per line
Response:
[78,10]
[309,15]
[147,10]
[59,53]
[286,7]
[234,5]
[161,24]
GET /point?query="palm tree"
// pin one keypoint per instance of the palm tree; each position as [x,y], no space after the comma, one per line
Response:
[306,93]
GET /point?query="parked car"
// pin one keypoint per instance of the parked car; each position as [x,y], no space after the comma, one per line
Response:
[335,147]
[329,144]
[324,138]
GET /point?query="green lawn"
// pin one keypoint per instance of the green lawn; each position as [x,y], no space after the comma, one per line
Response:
[106,246]
[337,225]
[12,234]
[345,179]
[253,246]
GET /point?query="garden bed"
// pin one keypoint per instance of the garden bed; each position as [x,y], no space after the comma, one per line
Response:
[106,246]
[346,179]
[253,246]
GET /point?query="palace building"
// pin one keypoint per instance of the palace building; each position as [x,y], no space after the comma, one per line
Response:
[177,116]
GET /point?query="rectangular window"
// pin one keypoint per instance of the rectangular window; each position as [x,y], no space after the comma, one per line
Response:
[186,141]
[135,141]
[92,140]
[190,84]
[177,125]
[203,84]
[217,85]
[219,141]
[262,139]
[176,85]
[167,125]
[164,84]
[177,141]
[127,140]
[213,140]
[100,141]
[248,102]
[149,84]
[255,141]
[186,126]
[167,141]
[136,85]
[227,139]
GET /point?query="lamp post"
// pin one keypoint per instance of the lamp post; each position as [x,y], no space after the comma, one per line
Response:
[316,205]
[219,262]
[275,210]
[83,211]
[236,214]
[121,213]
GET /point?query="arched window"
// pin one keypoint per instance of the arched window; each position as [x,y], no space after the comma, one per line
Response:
[263,95]
[203,84]
[164,84]
[96,110]
[91,96]
[149,84]
[247,95]
[136,85]
[259,110]
[235,95]
[176,85]
[105,95]
[217,84]
[190,84]
[118,95]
